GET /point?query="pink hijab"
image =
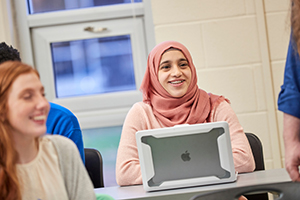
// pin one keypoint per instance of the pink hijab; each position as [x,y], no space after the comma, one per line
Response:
[192,108]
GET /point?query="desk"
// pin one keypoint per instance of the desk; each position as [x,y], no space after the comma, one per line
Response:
[245,179]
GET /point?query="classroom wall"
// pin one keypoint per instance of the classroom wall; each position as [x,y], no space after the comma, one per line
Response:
[278,26]
[7,30]
[4,34]
[239,49]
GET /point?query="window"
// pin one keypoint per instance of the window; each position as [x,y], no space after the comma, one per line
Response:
[83,81]
[90,84]
[93,66]
[39,6]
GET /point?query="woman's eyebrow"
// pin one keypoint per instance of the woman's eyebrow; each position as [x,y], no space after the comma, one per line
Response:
[24,91]
[167,61]
[182,59]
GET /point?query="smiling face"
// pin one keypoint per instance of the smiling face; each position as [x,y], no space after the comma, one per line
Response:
[174,73]
[27,107]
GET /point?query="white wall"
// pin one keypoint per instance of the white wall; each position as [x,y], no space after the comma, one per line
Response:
[278,26]
[4,34]
[239,48]
[7,30]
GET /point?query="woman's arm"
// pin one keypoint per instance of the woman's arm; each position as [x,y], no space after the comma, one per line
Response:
[128,170]
[242,153]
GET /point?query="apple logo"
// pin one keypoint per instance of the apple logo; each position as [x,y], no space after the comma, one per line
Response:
[186,156]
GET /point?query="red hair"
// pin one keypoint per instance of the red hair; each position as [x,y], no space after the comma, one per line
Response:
[9,183]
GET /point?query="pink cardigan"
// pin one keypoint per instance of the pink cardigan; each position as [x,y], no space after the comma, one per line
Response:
[141,117]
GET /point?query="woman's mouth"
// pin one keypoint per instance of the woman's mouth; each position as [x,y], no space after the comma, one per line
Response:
[39,118]
[176,82]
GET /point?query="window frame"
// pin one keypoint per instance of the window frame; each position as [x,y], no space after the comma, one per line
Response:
[105,115]
[43,36]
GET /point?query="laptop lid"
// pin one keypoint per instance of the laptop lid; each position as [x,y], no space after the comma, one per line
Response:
[185,155]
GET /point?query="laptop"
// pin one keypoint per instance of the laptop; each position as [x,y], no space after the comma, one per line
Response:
[185,156]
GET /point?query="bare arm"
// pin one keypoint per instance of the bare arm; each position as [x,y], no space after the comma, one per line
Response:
[291,131]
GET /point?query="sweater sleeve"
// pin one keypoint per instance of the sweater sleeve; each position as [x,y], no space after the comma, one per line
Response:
[242,153]
[128,170]
[77,181]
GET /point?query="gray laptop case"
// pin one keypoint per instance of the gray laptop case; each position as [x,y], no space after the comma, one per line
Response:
[185,155]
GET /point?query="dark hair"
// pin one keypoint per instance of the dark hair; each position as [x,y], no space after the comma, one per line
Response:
[8,53]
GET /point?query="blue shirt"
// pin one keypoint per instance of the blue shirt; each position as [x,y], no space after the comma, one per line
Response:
[289,96]
[62,121]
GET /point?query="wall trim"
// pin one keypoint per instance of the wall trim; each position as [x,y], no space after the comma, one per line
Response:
[268,83]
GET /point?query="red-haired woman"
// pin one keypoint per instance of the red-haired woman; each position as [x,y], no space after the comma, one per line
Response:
[34,166]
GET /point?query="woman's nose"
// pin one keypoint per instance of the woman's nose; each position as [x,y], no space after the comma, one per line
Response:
[176,71]
[43,103]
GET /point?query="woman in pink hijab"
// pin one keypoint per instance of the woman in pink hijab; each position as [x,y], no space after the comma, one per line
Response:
[170,97]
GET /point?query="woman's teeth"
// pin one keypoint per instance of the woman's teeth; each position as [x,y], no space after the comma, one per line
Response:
[41,117]
[176,82]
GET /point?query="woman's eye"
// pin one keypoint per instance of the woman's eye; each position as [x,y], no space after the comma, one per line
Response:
[165,67]
[27,96]
[183,65]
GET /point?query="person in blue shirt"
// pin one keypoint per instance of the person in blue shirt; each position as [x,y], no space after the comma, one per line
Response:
[289,98]
[289,104]
[60,121]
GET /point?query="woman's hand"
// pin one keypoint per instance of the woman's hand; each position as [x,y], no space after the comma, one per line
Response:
[242,198]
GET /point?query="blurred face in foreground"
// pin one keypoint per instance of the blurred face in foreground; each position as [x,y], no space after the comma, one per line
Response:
[27,107]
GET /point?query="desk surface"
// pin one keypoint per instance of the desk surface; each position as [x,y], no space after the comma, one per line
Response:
[138,192]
